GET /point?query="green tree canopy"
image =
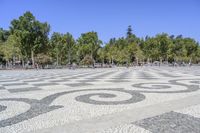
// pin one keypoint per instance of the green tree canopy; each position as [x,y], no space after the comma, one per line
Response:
[88,44]
[33,35]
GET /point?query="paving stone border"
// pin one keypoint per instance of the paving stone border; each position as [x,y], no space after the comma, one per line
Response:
[171,122]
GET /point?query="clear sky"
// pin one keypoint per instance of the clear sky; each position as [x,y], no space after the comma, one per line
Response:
[110,18]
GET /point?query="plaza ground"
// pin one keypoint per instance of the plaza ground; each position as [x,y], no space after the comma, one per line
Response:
[110,100]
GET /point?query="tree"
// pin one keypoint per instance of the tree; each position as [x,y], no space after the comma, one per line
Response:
[102,55]
[89,44]
[10,49]
[130,37]
[135,52]
[4,34]
[33,35]
[164,43]
[123,56]
[69,44]
[151,49]
[28,39]
[88,60]
[43,59]
[111,51]
[197,57]
[191,47]
[129,32]
[56,46]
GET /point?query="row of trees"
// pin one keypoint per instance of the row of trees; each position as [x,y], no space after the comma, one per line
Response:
[28,41]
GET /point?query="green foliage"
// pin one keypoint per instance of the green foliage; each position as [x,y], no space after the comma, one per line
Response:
[88,44]
[32,34]
[69,46]
[4,34]
[168,48]
[62,47]
[10,48]
[28,38]
[87,61]
[43,59]
[101,55]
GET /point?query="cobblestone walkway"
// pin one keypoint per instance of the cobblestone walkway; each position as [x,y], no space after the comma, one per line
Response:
[115,100]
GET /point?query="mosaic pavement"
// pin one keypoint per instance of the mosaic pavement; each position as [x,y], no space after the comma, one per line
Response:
[117,100]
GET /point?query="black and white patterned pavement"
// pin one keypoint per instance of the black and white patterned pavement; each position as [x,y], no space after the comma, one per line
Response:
[123,99]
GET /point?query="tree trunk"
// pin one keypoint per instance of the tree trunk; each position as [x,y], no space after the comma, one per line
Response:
[32,58]
[57,58]
[103,62]
[22,63]
[190,60]
[6,64]
[92,59]
[13,62]
[69,57]
[112,60]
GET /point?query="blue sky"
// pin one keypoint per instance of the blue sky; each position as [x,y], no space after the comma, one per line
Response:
[110,18]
